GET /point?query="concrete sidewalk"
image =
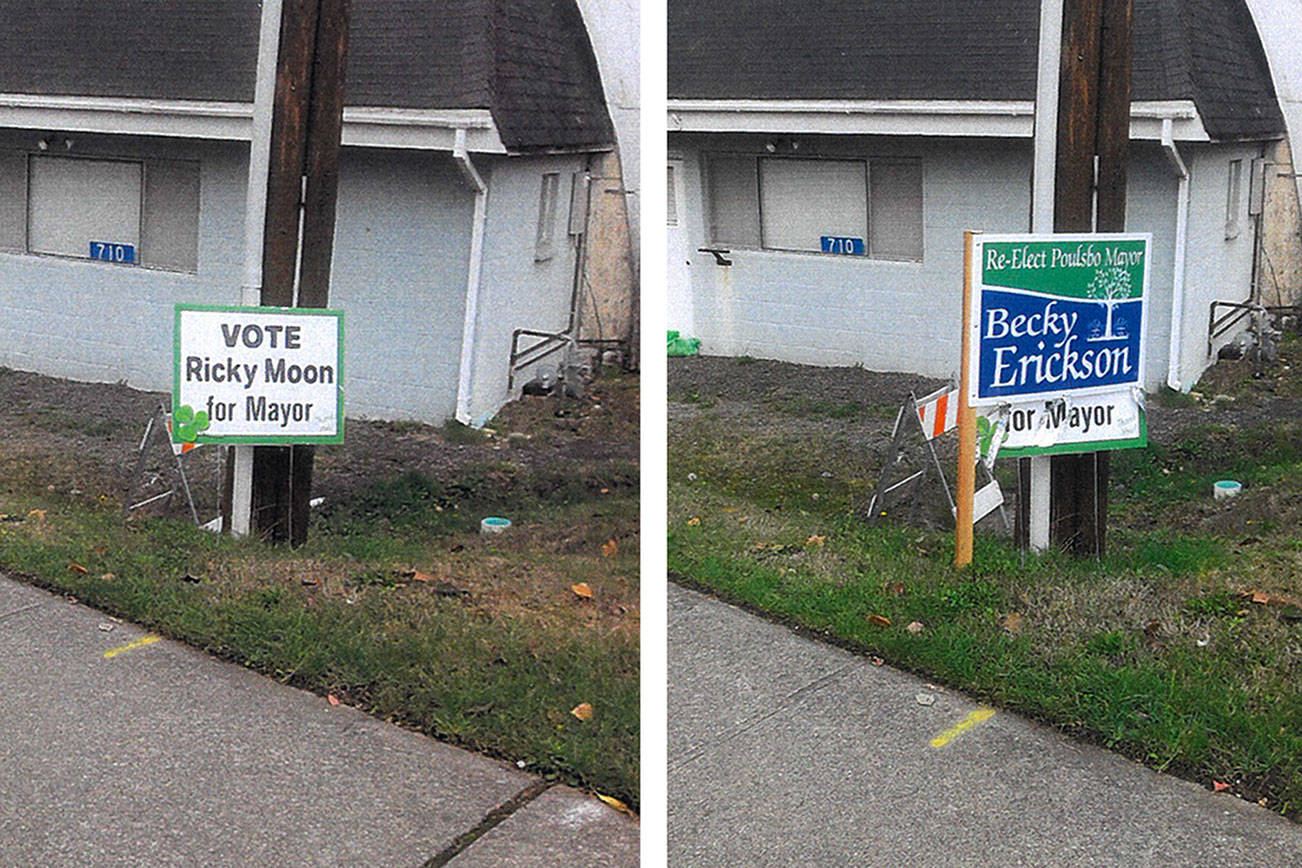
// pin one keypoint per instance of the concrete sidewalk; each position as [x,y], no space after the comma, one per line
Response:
[787,751]
[161,755]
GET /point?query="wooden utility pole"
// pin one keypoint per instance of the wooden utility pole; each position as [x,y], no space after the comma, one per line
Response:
[302,182]
[1093,137]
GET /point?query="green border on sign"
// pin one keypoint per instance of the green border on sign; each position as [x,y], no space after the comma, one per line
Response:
[1077,448]
[267,439]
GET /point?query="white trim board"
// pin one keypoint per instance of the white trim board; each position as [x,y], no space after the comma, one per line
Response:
[985,118]
[420,129]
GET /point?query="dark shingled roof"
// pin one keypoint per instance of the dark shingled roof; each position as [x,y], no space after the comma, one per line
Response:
[1204,50]
[529,62]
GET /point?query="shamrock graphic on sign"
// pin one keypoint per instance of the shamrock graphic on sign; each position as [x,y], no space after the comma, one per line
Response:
[189,423]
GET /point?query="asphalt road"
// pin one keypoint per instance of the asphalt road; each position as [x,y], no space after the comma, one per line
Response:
[121,749]
[786,751]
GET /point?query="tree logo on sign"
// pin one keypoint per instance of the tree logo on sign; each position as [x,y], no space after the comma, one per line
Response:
[1110,285]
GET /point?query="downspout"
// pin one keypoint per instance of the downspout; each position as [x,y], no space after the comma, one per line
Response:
[1173,378]
[476,183]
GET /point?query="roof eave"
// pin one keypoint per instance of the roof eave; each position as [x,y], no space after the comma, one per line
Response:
[364,126]
[964,118]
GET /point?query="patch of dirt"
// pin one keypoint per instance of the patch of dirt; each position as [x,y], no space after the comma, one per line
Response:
[82,439]
[790,401]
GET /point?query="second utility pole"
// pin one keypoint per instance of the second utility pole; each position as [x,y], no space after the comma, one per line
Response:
[302,189]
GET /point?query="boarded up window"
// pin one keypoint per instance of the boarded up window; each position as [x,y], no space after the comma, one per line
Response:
[896,219]
[806,200]
[13,200]
[171,220]
[867,207]
[73,202]
[734,201]
[143,212]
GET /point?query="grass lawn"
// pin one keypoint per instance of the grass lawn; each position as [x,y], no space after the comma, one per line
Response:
[1181,649]
[397,605]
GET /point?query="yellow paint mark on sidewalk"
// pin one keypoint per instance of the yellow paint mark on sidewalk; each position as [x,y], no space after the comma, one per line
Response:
[967,723]
[139,643]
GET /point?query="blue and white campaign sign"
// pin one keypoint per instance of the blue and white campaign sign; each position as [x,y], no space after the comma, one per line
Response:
[1057,340]
[1056,315]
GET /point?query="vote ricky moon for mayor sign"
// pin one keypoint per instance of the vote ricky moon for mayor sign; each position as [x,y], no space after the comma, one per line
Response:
[260,375]
[1056,316]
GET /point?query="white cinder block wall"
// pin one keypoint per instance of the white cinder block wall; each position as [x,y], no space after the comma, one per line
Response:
[905,316]
[104,323]
[402,249]
[516,290]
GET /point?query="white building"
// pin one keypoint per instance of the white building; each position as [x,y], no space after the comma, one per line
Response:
[467,126]
[901,125]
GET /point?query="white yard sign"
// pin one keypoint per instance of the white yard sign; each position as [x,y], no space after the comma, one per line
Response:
[258,375]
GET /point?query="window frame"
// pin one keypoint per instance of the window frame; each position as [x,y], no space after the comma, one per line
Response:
[548,199]
[24,157]
[1233,198]
[33,156]
[709,157]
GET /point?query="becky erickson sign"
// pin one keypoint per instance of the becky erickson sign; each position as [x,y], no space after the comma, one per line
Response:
[1056,315]
[260,375]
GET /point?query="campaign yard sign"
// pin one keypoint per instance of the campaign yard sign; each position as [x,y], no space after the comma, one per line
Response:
[1057,340]
[258,375]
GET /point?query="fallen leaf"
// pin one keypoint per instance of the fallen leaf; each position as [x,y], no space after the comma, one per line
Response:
[1012,623]
[332,699]
[1219,786]
[39,513]
[1260,597]
[925,699]
[615,803]
[897,589]
[815,540]
[876,661]
[582,590]
[693,521]
[879,620]
[1262,801]
[915,627]
[78,568]
[583,711]
[108,576]
[609,549]
[100,550]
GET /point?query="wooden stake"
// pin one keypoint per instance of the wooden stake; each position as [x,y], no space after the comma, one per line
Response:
[967,433]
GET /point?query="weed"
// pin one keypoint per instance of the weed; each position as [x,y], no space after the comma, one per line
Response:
[1213,605]
[460,433]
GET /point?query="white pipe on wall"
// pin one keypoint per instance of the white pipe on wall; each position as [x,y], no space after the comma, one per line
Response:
[255,218]
[1045,156]
[1173,378]
[465,379]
